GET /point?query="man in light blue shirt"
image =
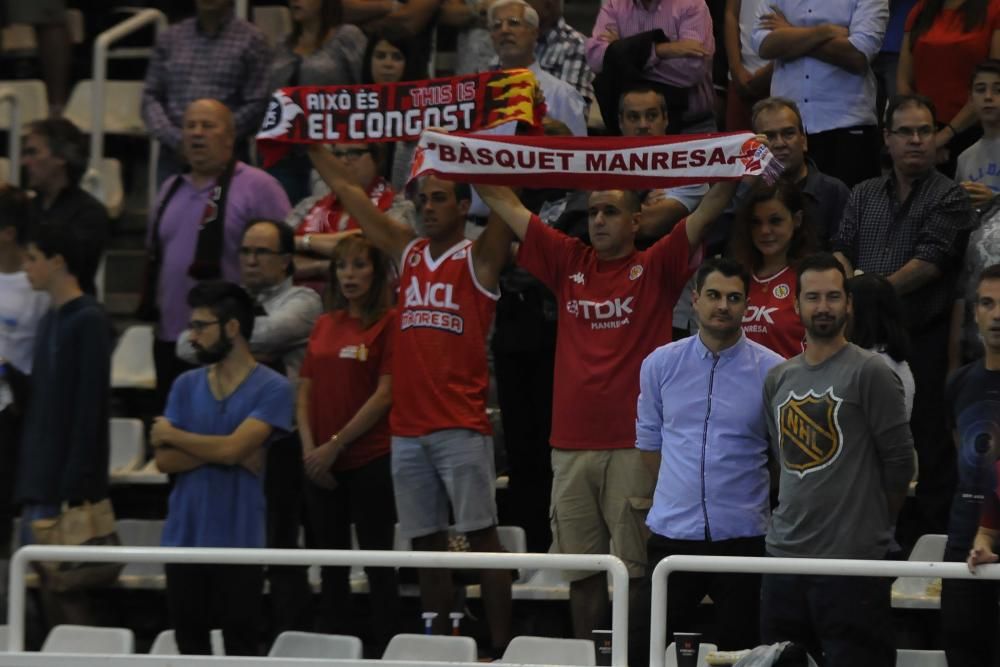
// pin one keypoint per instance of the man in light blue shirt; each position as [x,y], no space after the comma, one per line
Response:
[703,432]
[822,51]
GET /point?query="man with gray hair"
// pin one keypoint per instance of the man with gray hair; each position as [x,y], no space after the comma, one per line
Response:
[779,119]
[513,27]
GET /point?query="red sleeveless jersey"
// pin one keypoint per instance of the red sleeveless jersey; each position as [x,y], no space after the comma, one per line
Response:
[439,367]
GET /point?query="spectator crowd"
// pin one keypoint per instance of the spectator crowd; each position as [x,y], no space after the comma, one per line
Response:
[779,364]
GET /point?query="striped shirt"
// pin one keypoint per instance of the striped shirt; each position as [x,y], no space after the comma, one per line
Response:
[562,52]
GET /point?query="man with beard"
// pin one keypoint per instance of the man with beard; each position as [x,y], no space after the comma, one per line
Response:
[707,447]
[912,227]
[838,423]
[212,437]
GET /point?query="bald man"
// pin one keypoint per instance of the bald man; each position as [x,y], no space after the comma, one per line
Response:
[197,224]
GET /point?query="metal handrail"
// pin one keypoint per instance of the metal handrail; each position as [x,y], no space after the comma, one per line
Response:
[8,96]
[436,559]
[99,80]
[810,566]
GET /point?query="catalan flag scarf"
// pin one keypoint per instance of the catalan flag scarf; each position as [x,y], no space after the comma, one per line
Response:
[395,111]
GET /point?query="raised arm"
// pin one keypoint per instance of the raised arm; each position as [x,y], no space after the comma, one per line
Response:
[711,207]
[388,235]
[507,206]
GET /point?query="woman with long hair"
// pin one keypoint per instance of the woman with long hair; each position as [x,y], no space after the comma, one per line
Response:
[321,50]
[391,57]
[344,397]
[877,324]
[769,235]
[943,42]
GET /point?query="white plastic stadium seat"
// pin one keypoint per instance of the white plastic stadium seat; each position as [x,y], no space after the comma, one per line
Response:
[33,101]
[292,644]
[909,658]
[141,533]
[274,21]
[703,651]
[431,648]
[105,185]
[122,102]
[3,638]
[549,651]
[132,362]
[127,445]
[85,639]
[166,644]
[911,592]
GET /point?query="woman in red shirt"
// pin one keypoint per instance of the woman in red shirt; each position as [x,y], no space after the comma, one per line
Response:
[769,235]
[943,42]
[344,397]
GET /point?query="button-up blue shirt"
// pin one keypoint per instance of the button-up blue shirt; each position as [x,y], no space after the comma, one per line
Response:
[704,413]
[828,96]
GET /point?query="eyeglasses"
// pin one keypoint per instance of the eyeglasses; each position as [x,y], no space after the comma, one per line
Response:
[197,326]
[351,153]
[257,253]
[922,132]
[513,23]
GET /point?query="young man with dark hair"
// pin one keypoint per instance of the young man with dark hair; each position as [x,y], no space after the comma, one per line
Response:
[218,420]
[707,446]
[978,169]
[837,422]
[912,227]
[63,457]
[969,612]
[54,158]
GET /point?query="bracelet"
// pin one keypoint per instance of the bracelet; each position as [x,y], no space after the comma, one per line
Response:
[307,242]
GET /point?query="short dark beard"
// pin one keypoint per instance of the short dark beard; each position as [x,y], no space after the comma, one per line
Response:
[217,352]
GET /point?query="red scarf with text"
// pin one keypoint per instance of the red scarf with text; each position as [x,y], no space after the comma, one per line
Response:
[395,111]
[593,163]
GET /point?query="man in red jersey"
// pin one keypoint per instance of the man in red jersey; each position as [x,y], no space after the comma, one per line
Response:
[615,307]
[442,452]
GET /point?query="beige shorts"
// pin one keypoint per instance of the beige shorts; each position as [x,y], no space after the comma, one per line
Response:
[599,503]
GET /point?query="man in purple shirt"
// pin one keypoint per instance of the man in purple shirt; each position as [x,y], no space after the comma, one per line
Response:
[704,436]
[198,222]
[665,42]
[212,55]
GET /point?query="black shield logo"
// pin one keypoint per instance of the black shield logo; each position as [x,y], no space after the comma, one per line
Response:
[809,435]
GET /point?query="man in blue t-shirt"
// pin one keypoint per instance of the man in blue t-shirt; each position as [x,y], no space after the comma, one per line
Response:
[218,420]
[969,612]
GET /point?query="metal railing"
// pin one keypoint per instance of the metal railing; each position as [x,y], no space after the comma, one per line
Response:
[476,561]
[99,78]
[8,96]
[810,566]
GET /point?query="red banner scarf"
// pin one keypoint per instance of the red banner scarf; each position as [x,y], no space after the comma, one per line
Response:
[395,111]
[593,163]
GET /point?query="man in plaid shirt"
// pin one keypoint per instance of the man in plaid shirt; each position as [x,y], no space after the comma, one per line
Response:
[562,51]
[213,55]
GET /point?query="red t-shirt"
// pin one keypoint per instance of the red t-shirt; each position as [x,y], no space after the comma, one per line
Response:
[611,316]
[440,375]
[327,216]
[944,56]
[771,319]
[344,363]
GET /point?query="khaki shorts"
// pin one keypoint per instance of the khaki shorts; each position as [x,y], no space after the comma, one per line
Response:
[599,503]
